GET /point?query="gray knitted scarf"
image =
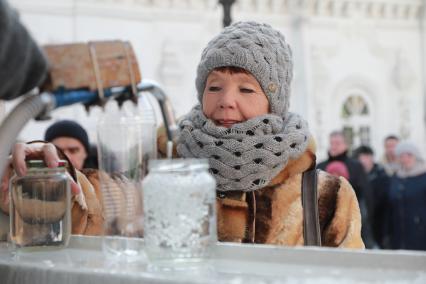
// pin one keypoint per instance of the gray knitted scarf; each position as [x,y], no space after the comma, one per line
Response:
[248,155]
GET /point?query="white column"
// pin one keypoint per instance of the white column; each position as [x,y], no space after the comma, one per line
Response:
[300,97]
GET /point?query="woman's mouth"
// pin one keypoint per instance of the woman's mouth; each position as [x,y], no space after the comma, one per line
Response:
[226,122]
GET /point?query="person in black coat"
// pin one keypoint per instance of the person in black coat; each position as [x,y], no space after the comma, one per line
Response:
[379,184]
[338,151]
[405,224]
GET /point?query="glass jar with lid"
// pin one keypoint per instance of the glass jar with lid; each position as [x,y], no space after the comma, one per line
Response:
[40,206]
[179,211]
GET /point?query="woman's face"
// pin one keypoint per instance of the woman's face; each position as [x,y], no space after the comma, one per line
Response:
[407,160]
[231,98]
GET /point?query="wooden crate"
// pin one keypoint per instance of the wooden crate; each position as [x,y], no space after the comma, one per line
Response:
[91,65]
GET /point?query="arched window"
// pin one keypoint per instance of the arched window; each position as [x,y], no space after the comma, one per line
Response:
[355,113]
[355,105]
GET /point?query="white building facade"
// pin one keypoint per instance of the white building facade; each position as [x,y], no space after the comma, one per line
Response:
[360,65]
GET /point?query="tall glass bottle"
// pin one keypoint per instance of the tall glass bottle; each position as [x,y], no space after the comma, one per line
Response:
[120,153]
[149,129]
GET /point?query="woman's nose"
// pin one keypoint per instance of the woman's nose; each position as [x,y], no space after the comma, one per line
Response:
[228,99]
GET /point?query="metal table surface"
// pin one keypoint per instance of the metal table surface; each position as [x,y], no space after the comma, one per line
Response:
[83,262]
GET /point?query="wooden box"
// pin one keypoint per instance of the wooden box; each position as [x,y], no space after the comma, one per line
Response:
[93,65]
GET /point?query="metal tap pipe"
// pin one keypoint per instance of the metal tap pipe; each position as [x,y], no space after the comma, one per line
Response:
[27,109]
[65,98]
[164,103]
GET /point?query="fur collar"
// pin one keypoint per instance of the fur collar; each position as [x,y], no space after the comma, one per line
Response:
[418,169]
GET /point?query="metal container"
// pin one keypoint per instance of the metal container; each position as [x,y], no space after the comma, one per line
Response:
[40,206]
[179,211]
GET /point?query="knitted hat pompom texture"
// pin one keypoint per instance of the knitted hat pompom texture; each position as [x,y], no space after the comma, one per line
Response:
[257,48]
[68,128]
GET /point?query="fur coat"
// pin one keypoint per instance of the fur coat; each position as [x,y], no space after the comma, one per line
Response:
[274,214]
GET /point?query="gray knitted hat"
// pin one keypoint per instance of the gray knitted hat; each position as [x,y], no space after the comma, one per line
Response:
[408,148]
[257,48]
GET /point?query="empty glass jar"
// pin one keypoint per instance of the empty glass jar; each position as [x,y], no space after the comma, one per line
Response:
[40,206]
[179,211]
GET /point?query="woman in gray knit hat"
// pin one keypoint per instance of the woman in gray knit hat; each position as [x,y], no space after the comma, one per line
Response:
[405,225]
[256,148]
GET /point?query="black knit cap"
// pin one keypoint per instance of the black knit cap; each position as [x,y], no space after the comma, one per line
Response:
[363,149]
[68,128]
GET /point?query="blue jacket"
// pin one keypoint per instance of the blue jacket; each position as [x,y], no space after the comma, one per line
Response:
[406,213]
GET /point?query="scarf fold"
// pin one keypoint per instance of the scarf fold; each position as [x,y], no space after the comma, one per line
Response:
[248,155]
[418,169]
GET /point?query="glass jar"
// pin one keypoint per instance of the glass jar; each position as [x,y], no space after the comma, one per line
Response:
[40,206]
[179,211]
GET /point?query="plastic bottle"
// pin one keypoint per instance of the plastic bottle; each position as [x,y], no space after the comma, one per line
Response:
[125,143]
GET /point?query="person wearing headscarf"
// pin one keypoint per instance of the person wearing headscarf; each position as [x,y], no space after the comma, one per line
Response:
[405,224]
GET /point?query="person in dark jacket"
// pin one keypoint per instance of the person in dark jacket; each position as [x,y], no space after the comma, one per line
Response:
[406,201]
[389,159]
[379,184]
[338,151]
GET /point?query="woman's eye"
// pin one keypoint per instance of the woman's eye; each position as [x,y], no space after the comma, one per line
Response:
[214,89]
[246,90]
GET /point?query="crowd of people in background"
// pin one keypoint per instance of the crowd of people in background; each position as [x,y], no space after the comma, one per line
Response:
[391,193]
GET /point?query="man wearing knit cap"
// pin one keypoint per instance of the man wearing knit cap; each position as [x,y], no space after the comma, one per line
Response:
[72,139]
